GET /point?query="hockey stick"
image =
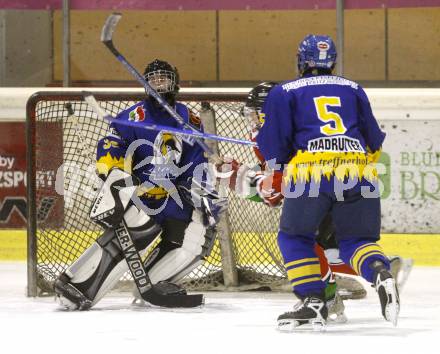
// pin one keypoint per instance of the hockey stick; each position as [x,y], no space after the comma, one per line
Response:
[106,38]
[146,289]
[102,114]
[75,121]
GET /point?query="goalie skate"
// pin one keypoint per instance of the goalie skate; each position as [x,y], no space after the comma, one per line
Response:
[312,310]
[349,288]
[336,308]
[69,297]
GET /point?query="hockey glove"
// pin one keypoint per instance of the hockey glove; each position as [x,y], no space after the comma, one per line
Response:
[269,189]
[251,183]
[239,177]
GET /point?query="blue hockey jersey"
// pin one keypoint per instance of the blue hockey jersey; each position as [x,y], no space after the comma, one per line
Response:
[320,126]
[160,160]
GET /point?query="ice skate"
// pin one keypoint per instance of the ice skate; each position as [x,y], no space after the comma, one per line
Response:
[400,269]
[388,295]
[336,308]
[311,310]
[349,288]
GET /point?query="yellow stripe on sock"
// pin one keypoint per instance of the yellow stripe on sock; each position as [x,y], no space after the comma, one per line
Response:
[311,269]
[360,251]
[309,280]
[359,267]
[358,255]
[303,260]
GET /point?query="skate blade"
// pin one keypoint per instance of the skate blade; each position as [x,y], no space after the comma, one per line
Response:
[289,325]
[392,308]
[138,302]
[319,326]
[407,265]
[352,295]
[295,325]
[338,318]
[141,303]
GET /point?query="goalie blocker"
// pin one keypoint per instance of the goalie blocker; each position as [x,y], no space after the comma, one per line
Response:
[183,246]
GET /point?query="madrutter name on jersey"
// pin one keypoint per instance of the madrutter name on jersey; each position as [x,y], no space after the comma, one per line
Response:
[338,143]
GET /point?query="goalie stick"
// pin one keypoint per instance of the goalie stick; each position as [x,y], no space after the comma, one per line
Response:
[75,122]
[106,38]
[102,114]
[146,288]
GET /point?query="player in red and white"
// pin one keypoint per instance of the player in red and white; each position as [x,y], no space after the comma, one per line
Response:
[264,184]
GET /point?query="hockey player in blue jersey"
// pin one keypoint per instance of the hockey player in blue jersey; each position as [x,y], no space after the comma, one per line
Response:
[173,200]
[321,131]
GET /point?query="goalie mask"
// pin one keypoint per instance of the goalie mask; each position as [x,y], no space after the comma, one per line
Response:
[254,104]
[164,78]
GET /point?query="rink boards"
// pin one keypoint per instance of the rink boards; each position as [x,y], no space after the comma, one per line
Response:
[423,248]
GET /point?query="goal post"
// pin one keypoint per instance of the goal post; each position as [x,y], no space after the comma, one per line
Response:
[61,183]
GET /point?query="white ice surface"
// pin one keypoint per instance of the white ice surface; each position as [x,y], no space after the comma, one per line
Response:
[228,323]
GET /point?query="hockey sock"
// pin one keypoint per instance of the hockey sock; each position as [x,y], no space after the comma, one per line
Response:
[326,273]
[301,263]
[330,290]
[360,254]
[342,268]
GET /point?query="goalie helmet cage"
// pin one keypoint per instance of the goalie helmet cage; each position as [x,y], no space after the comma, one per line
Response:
[61,182]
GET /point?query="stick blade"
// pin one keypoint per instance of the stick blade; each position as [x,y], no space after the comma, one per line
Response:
[94,105]
[109,27]
[172,301]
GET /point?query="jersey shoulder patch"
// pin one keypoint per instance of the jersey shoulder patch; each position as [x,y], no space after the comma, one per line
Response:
[131,112]
[137,114]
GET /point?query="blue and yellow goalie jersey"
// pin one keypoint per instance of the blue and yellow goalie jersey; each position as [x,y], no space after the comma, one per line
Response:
[159,160]
[319,126]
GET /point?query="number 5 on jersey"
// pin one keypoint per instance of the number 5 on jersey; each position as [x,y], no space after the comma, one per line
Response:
[321,105]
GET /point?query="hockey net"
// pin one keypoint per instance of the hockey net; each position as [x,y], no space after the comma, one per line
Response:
[62,183]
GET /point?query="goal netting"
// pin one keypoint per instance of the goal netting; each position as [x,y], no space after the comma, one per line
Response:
[62,183]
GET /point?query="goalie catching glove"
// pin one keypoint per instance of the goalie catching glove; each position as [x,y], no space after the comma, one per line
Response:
[205,199]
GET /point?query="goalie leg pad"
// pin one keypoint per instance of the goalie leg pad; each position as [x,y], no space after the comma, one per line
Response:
[144,232]
[143,229]
[101,266]
[196,244]
[90,271]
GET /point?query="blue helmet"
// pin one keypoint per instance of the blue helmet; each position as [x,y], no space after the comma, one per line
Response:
[316,52]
